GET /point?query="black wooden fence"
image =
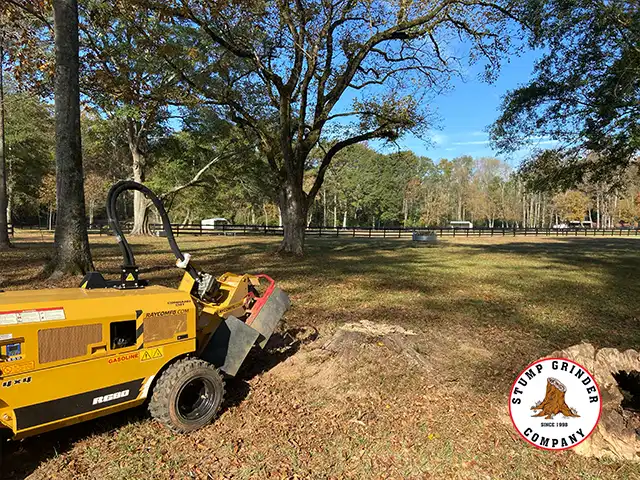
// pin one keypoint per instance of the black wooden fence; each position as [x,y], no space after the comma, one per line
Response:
[381,232]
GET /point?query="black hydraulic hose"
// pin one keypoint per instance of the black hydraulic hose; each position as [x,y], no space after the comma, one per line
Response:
[114,223]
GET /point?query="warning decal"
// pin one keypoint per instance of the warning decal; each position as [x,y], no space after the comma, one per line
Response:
[19,368]
[130,277]
[151,354]
[35,315]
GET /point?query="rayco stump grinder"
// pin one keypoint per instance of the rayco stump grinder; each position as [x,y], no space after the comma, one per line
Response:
[73,354]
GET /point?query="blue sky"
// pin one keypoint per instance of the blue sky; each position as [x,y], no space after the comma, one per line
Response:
[468,109]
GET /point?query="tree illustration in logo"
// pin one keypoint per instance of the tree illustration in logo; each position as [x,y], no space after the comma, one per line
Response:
[554,402]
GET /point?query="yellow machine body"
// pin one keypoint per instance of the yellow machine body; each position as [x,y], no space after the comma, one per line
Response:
[69,355]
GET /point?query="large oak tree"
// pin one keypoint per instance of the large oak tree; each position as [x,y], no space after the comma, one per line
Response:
[292,74]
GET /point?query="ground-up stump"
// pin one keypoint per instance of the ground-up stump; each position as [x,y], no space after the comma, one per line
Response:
[617,433]
[553,402]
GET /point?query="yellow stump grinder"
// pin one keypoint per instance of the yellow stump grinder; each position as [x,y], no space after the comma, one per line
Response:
[73,354]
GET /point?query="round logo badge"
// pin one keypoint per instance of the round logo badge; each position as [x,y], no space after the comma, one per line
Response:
[555,404]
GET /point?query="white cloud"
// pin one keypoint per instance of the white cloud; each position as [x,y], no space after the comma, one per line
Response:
[472,142]
[438,139]
[478,133]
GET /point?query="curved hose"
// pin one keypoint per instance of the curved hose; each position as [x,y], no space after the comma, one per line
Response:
[114,222]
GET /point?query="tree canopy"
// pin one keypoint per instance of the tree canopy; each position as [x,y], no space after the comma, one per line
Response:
[584,94]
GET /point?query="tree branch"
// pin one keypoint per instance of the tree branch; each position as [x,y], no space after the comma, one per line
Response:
[196,178]
[24,6]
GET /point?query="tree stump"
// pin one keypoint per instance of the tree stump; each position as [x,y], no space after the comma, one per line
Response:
[616,435]
[553,402]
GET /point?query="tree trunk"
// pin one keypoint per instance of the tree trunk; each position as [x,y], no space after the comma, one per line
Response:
[92,205]
[405,208]
[187,218]
[140,207]
[335,210]
[4,220]
[279,216]
[344,219]
[266,214]
[72,254]
[293,206]
[50,224]
[324,207]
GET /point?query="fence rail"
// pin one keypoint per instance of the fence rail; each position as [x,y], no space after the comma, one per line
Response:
[371,232]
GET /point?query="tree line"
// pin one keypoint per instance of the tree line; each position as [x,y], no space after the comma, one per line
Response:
[362,186]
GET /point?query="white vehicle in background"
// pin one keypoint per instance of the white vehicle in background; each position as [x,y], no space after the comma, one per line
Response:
[460,224]
[573,224]
[214,223]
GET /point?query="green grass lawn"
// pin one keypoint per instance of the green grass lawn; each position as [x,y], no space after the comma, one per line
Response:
[483,309]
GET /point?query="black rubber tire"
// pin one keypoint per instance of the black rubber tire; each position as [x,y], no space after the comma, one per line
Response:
[175,383]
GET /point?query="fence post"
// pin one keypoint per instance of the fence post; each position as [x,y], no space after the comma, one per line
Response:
[320,231]
[177,230]
[369,232]
[337,231]
[399,232]
[265,228]
[354,232]
[514,230]
[384,232]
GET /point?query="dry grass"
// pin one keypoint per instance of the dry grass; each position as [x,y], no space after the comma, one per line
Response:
[483,308]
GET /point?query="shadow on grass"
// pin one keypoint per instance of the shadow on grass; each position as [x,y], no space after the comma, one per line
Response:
[21,458]
[511,301]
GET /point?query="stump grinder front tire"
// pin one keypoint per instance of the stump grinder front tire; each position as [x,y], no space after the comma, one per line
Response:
[187,396]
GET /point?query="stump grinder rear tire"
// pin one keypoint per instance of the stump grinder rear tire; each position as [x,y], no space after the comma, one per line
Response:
[188,395]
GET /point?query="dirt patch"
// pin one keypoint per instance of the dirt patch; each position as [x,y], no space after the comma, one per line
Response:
[324,362]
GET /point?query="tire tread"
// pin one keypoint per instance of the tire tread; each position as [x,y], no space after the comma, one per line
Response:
[159,405]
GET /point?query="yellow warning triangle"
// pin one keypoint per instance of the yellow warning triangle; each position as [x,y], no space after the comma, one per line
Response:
[157,353]
[130,277]
[84,285]
[145,356]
